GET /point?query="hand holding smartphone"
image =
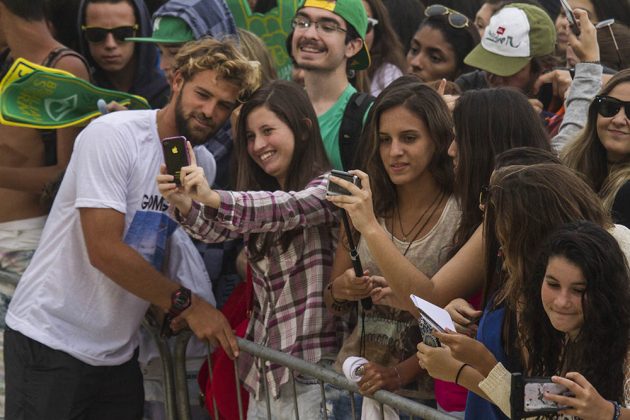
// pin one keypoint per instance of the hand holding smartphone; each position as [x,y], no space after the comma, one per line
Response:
[175,156]
[568,12]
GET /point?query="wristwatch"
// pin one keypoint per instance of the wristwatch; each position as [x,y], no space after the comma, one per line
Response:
[180,301]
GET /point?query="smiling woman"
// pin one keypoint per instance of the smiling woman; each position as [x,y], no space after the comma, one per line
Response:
[602,151]
[290,233]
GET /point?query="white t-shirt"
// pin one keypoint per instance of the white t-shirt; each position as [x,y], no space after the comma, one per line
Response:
[64,302]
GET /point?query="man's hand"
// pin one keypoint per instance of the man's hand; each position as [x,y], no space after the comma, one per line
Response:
[208,323]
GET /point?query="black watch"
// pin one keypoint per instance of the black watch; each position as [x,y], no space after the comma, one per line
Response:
[180,301]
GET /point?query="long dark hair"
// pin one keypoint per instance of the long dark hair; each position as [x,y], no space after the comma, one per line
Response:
[289,102]
[525,204]
[503,119]
[429,107]
[606,329]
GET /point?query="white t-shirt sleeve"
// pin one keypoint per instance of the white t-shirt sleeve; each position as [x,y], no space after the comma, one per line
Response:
[103,161]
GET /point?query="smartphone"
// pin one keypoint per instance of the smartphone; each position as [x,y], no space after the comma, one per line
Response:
[568,12]
[175,155]
[527,396]
[334,189]
[427,325]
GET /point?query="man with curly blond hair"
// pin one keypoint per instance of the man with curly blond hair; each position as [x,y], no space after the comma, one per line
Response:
[71,343]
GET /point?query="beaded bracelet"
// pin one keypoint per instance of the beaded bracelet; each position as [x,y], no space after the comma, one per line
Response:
[338,302]
[617,412]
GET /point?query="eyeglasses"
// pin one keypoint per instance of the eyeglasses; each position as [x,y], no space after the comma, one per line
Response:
[371,24]
[327,27]
[455,19]
[609,107]
[96,34]
[609,23]
[484,196]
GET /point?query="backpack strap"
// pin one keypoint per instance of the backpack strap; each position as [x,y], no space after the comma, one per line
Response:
[58,53]
[352,127]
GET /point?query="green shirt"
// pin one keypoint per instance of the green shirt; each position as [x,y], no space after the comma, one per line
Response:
[329,125]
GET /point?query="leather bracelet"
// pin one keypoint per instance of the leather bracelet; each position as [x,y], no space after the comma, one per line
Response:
[617,412]
[338,302]
[459,372]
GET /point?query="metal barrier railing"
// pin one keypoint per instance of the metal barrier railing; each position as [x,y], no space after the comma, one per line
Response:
[324,375]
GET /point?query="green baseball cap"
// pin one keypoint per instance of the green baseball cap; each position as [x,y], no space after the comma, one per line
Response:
[168,30]
[353,12]
[516,33]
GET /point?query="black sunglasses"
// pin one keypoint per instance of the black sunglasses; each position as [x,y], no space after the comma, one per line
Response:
[455,19]
[609,107]
[95,34]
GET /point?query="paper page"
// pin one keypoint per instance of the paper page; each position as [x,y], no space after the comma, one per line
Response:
[437,314]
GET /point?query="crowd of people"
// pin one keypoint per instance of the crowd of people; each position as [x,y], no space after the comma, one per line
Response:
[489,143]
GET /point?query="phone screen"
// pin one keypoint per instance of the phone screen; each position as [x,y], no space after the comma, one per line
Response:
[534,396]
[175,155]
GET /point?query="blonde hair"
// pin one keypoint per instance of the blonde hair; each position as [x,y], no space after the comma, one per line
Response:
[225,58]
[255,49]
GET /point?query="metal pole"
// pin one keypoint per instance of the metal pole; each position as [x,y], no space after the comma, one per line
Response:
[181,382]
[214,401]
[150,324]
[330,376]
[239,398]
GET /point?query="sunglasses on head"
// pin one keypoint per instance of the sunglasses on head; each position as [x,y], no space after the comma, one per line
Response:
[95,34]
[371,24]
[455,19]
[609,107]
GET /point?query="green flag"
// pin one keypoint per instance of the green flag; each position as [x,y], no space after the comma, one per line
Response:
[272,27]
[40,97]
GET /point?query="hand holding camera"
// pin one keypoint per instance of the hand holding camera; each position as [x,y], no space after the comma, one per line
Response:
[358,203]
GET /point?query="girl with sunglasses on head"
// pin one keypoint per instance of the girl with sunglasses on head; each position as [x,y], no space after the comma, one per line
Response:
[524,204]
[386,52]
[441,43]
[290,233]
[602,151]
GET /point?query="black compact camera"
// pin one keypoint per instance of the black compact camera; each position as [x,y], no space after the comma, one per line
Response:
[334,189]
